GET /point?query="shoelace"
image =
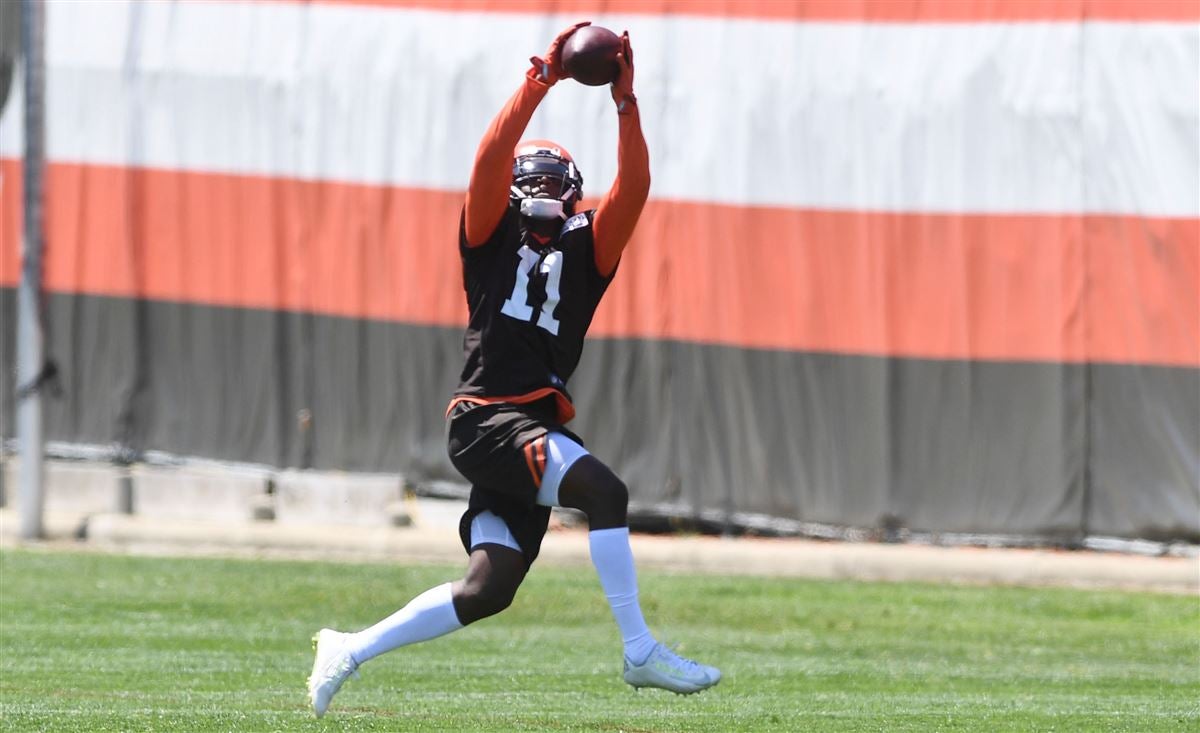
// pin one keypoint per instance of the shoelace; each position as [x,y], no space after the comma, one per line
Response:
[343,667]
[684,663]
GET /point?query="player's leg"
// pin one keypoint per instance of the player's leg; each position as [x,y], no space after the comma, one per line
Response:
[338,655]
[493,575]
[495,569]
[576,479]
[494,572]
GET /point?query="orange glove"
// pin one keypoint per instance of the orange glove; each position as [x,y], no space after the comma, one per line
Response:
[622,88]
[548,69]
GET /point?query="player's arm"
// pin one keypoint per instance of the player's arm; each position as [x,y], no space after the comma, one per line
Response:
[491,175]
[618,212]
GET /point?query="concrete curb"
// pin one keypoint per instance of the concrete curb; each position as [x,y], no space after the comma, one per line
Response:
[921,563]
[782,558]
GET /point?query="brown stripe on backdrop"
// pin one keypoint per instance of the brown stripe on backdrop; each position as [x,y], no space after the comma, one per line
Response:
[879,11]
[1031,448]
[1067,288]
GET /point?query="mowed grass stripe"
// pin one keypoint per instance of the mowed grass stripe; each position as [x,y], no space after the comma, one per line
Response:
[93,642]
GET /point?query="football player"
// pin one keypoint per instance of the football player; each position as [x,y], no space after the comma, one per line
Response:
[534,270]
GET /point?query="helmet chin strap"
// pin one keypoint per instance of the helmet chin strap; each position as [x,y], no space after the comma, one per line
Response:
[542,209]
[536,208]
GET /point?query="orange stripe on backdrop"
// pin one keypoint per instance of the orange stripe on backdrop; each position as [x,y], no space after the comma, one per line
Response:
[10,222]
[884,11]
[923,285]
[1003,287]
[246,241]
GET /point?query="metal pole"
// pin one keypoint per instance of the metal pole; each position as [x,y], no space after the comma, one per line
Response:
[29,326]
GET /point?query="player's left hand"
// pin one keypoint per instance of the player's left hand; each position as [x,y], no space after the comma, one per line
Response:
[548,69]
[622,88]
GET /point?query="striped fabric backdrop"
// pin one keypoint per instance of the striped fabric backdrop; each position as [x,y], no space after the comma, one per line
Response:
[934,263]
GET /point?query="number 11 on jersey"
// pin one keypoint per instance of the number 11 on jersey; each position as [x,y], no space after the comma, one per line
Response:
[517,306]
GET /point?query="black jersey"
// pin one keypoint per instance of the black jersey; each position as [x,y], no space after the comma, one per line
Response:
[530,307]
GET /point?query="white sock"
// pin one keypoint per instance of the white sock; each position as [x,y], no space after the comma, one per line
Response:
[614,564]
[427,616]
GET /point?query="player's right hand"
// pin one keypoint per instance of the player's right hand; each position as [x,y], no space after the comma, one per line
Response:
[548,69]
[622,88]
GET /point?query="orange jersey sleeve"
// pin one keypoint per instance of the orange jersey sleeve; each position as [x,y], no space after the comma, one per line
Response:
[618,211]
[491,175]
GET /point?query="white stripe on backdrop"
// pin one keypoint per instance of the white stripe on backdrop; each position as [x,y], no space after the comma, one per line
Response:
[989,118]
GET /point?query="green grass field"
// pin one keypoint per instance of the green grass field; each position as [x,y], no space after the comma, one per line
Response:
[95,642]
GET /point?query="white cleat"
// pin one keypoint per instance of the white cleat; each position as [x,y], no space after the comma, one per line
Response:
[330,669]
[666,669]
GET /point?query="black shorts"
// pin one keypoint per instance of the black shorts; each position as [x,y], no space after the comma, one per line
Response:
[494,447]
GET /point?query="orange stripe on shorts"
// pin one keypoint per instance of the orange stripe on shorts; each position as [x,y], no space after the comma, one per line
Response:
[539,450]
[529,461]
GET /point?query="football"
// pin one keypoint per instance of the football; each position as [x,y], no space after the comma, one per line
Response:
[589,56]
